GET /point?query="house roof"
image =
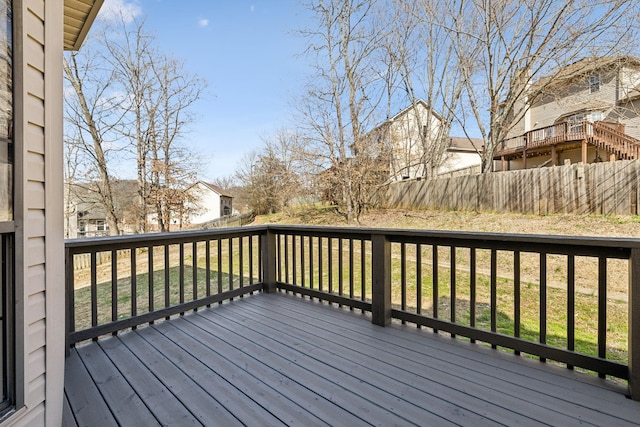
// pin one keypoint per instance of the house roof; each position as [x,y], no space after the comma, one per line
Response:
[405,110]
[587,66]
[462,143]
[78,18]
[215,188]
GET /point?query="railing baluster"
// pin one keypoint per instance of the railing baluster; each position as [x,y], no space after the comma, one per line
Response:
[114,286]
[279,249]
[207,255]
[403,278]
[134,284]
[303,270]
[311,262]
[219,254]
[320,262]
[494,292]
[94,290]
[516,296]
[435,282]
[453,286]
[150,278]
[251,281]
[602,310]
[351,271]
[167,293]
[419,280]
[472,288]
[194,271]
[543,300]
[330,263]
[230,254]
[294,260]
[340,268]
[181,280]
[286,258]
[241,261]
[363,269]
[571,302]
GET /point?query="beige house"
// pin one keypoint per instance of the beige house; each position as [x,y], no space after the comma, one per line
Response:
[414,149]
[34,34]
[588,113]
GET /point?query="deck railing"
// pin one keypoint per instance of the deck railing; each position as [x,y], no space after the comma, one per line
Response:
[600,134]
[571,300]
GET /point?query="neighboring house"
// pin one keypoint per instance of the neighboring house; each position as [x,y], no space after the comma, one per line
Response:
[203,203]
[414,151]
[207,202]
[587,112]
[32,325]
[461,154]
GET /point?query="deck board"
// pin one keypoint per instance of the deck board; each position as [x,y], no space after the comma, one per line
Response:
[283,360]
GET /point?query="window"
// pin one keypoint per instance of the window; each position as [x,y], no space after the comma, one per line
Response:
[101,225]
[594,83]
[7,344]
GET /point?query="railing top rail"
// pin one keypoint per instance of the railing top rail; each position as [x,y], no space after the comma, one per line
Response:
[156,239]
[617,247]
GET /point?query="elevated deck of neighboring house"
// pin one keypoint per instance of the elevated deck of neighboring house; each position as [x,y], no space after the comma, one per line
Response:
[607,141]
[287,325]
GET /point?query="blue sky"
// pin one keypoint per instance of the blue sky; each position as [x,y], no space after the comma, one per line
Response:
[250,56]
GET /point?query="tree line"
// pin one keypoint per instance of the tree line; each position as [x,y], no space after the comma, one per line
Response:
[477,64]
[126,100]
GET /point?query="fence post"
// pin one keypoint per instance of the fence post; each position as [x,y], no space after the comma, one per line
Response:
[634,324]
[381,280]
[268,249]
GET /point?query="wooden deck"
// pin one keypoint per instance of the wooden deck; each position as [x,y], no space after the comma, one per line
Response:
[275,359]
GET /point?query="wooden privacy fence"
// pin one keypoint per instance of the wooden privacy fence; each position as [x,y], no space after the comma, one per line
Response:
[610,188]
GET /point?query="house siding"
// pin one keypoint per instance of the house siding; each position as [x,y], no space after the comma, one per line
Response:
[38,213]
[558,103]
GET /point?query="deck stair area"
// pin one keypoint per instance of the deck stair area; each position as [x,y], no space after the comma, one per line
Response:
[564,136]
[291,325]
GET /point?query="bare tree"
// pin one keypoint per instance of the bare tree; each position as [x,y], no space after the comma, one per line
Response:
[429,67]
[343,97]
[273,176]
[173,166]
[142,102]
[91,119]
[130,54]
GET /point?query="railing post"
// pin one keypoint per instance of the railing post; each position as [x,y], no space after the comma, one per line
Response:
[381,280]
[634,324]
[268,249]
[69,299]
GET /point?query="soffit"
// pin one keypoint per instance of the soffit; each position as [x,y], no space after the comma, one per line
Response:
[78,18]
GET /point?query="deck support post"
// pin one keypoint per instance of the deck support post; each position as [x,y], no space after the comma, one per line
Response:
[268,249]
[584,151]
[634,324]
[554,156]
[381,280]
